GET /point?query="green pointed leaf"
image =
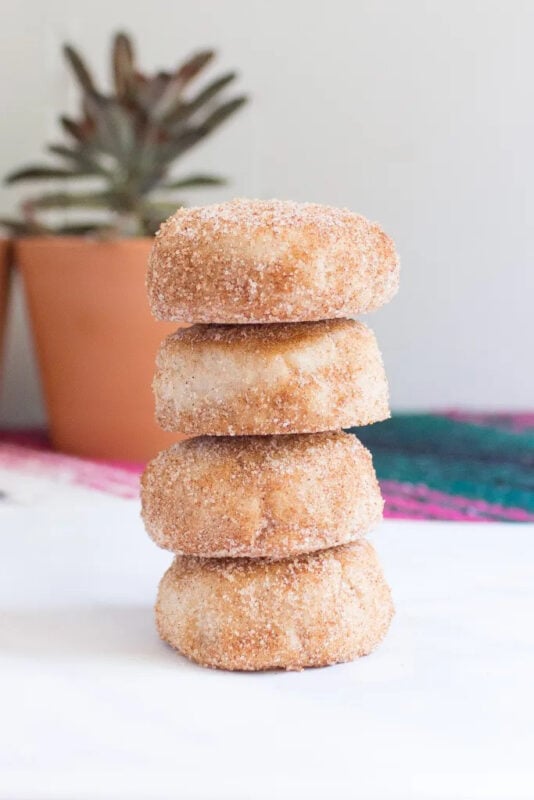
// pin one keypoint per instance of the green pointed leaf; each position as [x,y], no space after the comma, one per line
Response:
[222,113]
[202,98]
[73,128]
[178,146]
[180,111]
[195,180]
[79,68]
[85,165]
[171,97]
[39,172]
[193,66]
[82,131]
[185,140]
[210,91]
[67,153]
[63,151]
[82,228]
[104,200]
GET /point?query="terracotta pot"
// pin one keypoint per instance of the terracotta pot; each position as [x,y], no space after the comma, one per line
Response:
[4,287]
[96,343]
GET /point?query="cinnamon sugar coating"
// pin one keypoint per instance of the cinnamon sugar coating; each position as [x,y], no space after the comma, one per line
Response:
[309,611]
[260,496]
[269,261]
[270,379]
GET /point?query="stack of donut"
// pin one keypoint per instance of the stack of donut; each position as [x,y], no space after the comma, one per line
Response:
[267,507]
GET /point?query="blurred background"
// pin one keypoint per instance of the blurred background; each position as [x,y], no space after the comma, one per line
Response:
[417,114]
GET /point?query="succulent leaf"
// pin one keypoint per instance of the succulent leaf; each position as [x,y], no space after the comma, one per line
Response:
[210,91]
[195,64]
[123,65]
[67,200]
[80,158]
[82,229]
[183,112]
[221,114]
[195,180]
[73,128]
[79,68]
[167,153]
[43,172]
[171,98]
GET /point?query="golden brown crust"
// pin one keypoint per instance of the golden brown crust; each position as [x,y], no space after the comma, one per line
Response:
[260,496]
[270,379]
[269,261]
[242,614]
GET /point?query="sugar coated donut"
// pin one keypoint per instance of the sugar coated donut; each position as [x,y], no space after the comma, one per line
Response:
[262,379]
[247,614]
[260,496]
[269,261]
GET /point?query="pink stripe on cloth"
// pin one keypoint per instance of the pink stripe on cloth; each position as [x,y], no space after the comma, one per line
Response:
[406,499]
[405,508]
[520,421]
[118,479]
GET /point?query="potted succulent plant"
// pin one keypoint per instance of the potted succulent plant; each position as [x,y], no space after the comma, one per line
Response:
[84,277]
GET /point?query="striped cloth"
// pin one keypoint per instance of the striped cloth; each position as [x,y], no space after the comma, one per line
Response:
[447,466]
[455,466]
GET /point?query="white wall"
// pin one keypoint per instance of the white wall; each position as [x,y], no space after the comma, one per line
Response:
[418,114]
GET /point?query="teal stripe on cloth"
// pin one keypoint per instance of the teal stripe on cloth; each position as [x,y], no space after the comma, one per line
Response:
[478,461]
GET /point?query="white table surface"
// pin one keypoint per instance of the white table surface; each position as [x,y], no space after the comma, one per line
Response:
[93,706]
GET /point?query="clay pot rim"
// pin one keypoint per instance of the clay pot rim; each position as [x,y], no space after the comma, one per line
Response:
[77,241]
